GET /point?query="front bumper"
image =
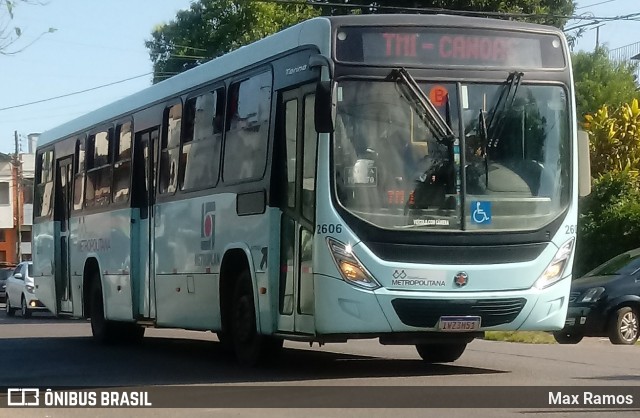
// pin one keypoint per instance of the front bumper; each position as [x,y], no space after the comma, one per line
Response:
[586,320]
[34,303]
[344,309]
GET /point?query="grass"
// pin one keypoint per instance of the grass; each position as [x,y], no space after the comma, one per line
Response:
[530,337]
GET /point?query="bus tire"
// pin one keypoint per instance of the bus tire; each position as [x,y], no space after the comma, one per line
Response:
[441,353]
[131,332]
[103,330]
[250,348]
[563,337]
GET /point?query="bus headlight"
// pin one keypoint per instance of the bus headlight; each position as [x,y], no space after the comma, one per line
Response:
[555,269]
[351,269]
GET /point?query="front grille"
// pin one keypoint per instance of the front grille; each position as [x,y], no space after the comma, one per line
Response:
[573,296]
[426,313]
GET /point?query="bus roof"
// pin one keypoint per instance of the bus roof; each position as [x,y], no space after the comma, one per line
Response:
[311,32]
[438,20]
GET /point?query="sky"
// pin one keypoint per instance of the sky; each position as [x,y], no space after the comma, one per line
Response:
[98,42]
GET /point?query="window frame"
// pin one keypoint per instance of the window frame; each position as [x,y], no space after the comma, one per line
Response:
[210,89]
[164,132]
[237,80]
[39,183]
[117,130]
[90,153]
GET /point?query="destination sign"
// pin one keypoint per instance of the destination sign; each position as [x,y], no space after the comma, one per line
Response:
[443,47]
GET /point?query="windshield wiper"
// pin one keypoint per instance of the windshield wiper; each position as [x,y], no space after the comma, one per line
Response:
[426,110]
[497,114]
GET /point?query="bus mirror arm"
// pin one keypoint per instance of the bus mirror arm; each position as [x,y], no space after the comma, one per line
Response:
[325,106]
[319,61]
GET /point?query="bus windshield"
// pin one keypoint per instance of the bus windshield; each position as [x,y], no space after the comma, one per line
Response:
[392,171]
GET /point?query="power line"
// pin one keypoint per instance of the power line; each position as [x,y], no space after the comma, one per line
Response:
[372,5]
[594,4]
[74,93]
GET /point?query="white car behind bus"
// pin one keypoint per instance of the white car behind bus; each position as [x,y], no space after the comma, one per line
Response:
[20,291]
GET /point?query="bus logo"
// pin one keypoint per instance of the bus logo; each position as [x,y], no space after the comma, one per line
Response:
[461,279]
[208,226]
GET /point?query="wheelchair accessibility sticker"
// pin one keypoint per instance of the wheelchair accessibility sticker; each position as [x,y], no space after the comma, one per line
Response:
[481,212]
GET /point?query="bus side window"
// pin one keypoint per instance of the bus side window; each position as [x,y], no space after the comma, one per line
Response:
[79,174]
[99,170]
[44,187]
[249,111]
[201,141]
[170,149]
[309,164]
[122,165]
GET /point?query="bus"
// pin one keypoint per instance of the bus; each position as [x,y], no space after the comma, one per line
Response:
[407,178]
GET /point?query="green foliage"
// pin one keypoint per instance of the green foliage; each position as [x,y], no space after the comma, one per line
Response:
[609,222]
[210,28]
[10,34]
[600,81]
[614,138]
[529,337]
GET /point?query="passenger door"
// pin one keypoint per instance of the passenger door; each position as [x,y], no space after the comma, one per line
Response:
[61,215]
[145,157]
[296,137]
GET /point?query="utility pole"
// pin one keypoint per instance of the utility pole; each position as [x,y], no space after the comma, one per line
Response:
[18,188]
[598,35]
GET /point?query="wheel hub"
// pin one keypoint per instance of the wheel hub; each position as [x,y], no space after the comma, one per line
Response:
[629,326]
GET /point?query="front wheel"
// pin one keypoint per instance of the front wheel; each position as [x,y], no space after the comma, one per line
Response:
[623,326]
[11,311]
[24,308]
[250,347]
[441,353]
[563,337]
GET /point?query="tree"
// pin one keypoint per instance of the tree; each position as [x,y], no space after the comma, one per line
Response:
[210,28]
[614,138]
[542,8]
[609,222]
[9,33]
[600,81]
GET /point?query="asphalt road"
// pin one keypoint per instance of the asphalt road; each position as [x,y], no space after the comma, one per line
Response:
[48,352]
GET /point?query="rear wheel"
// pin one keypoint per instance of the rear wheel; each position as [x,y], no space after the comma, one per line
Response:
[563,337]
[250,347]
[441,353]
[24,308]
[11,311]
[623,326]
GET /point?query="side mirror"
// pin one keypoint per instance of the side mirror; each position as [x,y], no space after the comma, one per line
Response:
[584,164]
[325,105]
[18,276]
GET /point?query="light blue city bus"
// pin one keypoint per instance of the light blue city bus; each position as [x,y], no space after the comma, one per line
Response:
[408,178]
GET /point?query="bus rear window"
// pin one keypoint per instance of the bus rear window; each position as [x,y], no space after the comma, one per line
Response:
[446,47]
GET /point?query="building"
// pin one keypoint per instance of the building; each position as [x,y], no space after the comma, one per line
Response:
[629,52]
[16,204]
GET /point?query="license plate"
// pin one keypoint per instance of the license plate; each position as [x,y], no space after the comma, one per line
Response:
[459,323]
